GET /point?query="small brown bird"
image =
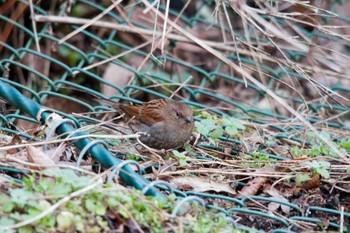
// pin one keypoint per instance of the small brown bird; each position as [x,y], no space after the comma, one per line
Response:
[167,124]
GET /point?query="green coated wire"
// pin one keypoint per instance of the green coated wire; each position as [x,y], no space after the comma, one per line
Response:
[99,152]
[52,86]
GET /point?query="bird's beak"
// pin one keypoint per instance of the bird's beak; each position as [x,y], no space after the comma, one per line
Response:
[189,120]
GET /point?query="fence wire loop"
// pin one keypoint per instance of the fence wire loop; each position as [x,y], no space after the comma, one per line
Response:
[157,184]
[115,171]
[41,111]
[87,147]
[182,202]
[71,74]
[53,122]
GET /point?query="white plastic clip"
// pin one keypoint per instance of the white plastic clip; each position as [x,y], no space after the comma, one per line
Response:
[51,121]
[38,115]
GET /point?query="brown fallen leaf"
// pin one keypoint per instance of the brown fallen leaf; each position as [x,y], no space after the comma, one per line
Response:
[118,76]
[314,182]
[14,141]
[57,152]
[37,156]
[201,184]
[252,187]
[276,195]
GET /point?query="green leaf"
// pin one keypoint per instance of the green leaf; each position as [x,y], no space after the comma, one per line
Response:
[233,126]
[205,126]
[216,133]
[3,199]
[301,178]
[7,207]
[188,148]
[79,223]
[320,167]
[26,229]
[296,151]
[345,144]
[182,158]
[323,172]
[100,209]
[314,151]
[32,212]
[324,134]
[59,188]
[111,202]
[47,221]
[324,164]
[211,141]
[228,121]
[314,138]
[183,162]
[65,221]
[247,157]
[6,221]
[123,213]
[37,206]
[333,153]
[348,170]
[177,153]
[20,196]
[310,135]
[234,122]
[29,181]
[231,130]
[69,176]
[271,142]
[44,184]
[89,204]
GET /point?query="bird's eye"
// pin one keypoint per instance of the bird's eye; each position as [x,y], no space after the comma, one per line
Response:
[177,114]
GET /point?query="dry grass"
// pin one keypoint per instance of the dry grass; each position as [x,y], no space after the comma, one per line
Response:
[287,50]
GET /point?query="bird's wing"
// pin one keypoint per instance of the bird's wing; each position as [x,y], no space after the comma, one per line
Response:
[107,102]
[153,111]
[131,110]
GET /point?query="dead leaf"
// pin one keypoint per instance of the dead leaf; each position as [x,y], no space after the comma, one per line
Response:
[56,153]
[201,184]
[118,76]
[252,187]
[38,157]
[15,141]
[273,206]
[276,195]
[4,180]
[314,182]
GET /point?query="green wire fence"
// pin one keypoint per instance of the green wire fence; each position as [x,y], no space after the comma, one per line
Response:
[64,73]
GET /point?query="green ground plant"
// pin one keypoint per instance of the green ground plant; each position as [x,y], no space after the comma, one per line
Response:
[90,211]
